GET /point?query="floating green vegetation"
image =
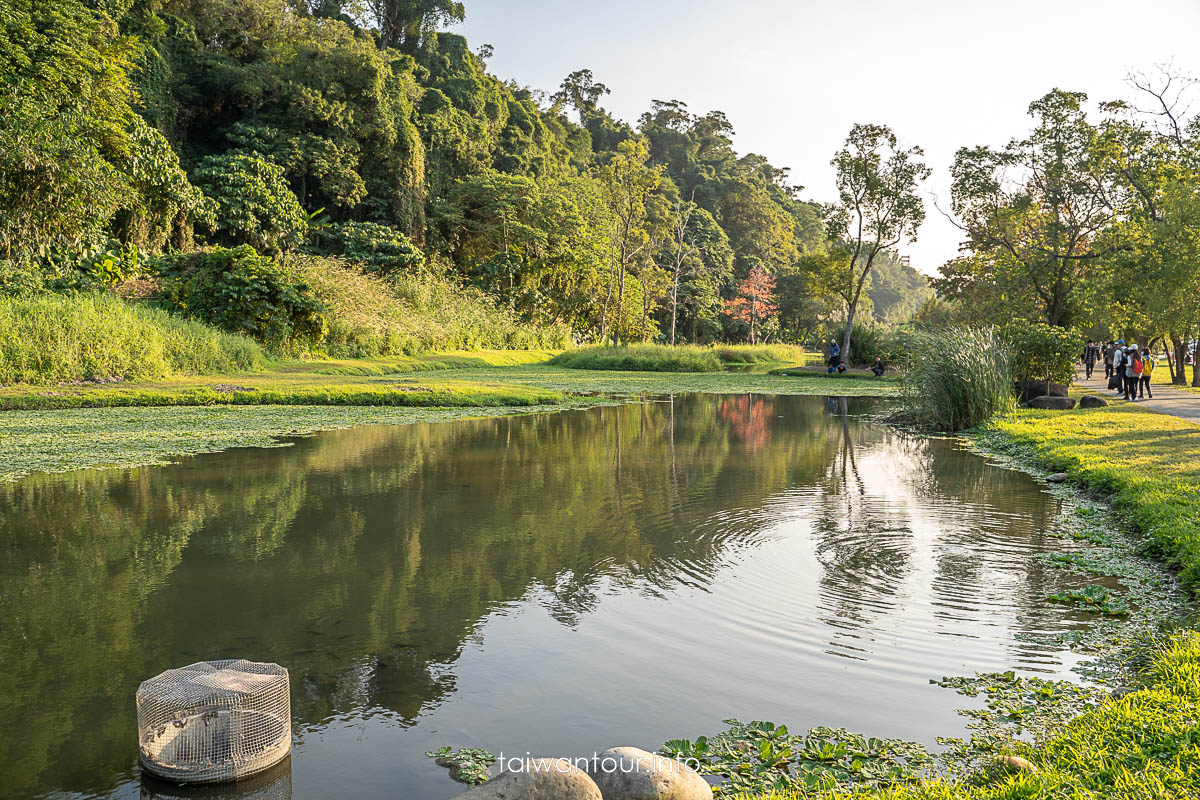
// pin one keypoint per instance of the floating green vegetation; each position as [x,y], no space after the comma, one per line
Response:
[1018,710]
[757,757]
[469,765]
[1093,597]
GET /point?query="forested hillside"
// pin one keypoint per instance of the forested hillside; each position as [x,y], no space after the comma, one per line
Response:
[340,138]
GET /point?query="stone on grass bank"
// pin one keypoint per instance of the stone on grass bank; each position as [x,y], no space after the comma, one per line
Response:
[627,773]
[1092,401]
[1053,402]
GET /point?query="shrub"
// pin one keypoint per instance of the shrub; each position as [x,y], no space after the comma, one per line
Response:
[251,202]
[1041,352]
[242,292]
[957,378]
[52,338]
[374,247]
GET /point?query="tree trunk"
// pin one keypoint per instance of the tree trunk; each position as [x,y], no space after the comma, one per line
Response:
[620,306]
[674,306]
[851,310]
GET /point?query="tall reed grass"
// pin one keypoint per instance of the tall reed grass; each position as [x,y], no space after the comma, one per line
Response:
[408,314]
[56,338]
[957,378]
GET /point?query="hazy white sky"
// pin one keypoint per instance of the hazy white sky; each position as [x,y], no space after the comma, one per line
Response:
[794,75]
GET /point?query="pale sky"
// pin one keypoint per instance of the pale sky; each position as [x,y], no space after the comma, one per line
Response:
[794,76]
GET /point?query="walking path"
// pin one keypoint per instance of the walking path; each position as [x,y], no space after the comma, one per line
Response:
[1167,399]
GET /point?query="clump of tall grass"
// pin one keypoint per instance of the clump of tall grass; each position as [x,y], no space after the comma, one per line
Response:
[957,378]
[680,358]
[55,338]
[411,313]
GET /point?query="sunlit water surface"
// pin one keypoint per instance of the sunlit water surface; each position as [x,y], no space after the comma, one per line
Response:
[553,584]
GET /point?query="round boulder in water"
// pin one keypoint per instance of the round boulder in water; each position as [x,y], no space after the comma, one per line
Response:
[627,773]
[538,779]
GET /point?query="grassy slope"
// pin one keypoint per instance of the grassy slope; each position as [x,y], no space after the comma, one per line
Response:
[1145,746]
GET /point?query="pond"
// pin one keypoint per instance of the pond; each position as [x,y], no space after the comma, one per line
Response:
[555,583]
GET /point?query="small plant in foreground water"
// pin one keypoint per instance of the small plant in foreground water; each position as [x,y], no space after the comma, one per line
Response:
[1093,598]
[469,765]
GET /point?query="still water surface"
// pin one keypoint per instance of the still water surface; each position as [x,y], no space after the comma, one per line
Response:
[556,584]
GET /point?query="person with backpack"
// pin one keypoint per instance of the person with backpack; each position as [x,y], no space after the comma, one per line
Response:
[1147,374]
[1133,371]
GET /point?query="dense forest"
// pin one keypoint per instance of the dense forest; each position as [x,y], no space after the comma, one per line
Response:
[357,170]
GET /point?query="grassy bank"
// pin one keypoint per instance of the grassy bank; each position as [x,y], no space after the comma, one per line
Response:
[681,358]
[1147,463]
[1145,746]
[56,338]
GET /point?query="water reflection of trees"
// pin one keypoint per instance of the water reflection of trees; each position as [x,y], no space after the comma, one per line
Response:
[362,559]
[366,559]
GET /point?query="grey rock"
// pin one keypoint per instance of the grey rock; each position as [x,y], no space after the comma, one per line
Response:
[1058,477]
[539,779]
[1012,764]
[627,773]
[1092,401]
[1027,390]
[1050,401]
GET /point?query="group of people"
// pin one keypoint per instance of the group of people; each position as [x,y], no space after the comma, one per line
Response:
[834,363]
[1127,368]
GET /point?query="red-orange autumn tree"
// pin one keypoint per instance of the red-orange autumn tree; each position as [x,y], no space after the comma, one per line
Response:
[754,302]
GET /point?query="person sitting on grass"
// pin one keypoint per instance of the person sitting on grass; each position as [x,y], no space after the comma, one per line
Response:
[1147,372]
[879,367]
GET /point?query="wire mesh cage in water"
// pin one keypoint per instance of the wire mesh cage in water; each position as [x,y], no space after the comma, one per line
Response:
[214,721]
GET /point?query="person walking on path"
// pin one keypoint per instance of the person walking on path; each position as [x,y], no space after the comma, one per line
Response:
[1147,374]
[1133,372]
[1109,348]
[1090,354]
[1117,379]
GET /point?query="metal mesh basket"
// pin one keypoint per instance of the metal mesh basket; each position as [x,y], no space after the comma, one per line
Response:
[214,721]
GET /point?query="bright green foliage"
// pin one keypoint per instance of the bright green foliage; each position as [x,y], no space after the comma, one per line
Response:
[70,338]
[957,378]
[253,203]
[64,88]
[1041,352]
[242,292]
[376,248]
